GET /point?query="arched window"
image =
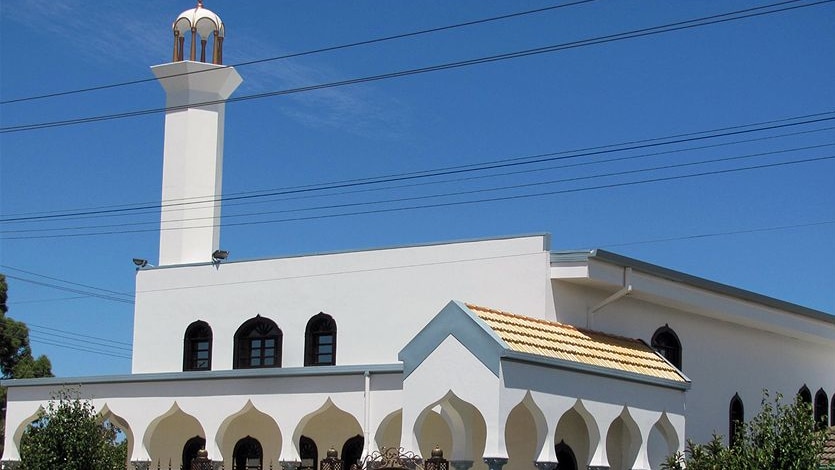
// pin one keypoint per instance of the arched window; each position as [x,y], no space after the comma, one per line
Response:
[832,412]
[565,457]
[736,416]
[665,342]
[190,450]
[821,405]
[197,347]
[247,455]
[309,454]
[352,451]
[320,341]
[805,395]
[258,344]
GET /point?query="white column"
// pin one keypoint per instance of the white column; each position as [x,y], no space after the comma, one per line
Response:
[192,159]
[645,420]
[604,415]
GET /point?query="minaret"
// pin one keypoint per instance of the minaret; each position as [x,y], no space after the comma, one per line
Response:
[193,150]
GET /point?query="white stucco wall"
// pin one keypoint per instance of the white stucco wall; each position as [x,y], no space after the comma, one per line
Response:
[379,298]
[161,415]
[729,346]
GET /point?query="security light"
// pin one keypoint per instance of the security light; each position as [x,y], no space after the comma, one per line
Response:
[220,255]
[140,263]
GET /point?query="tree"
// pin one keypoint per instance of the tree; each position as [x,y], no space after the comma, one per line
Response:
[68,435]
[16,361]
[780,437]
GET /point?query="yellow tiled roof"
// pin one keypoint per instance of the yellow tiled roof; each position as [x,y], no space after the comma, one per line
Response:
[560,341]
[828,454]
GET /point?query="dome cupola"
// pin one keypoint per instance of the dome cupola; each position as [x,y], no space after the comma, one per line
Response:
[202,22]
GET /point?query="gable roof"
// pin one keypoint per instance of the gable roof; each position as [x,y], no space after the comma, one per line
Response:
[563,342]
[493,337]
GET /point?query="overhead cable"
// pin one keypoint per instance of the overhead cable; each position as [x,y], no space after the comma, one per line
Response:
[311,52]
[517,161]
[453,194]
[677,26]
[448,204]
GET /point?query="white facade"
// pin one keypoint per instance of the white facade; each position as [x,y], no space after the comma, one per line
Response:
[733,341]
[386,295]
[402,361]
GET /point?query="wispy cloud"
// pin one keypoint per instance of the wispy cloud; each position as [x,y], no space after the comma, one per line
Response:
[101,31]
[359,109]
[108,32]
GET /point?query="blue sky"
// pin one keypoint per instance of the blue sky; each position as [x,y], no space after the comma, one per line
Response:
[768,229]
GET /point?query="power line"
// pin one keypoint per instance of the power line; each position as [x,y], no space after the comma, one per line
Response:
[718,234]
[289,276]
[313,51]
[56,299]
[30,324]
[65,281]
[68,289]
[83,340]
[677,26]
[458,193]
[383,178]
[504,163]
[38,339]
[453,203]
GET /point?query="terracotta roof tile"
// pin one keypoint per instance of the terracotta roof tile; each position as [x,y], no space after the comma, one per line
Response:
[828,454]
[560,341]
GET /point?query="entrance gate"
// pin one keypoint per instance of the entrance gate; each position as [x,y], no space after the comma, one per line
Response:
[391,458]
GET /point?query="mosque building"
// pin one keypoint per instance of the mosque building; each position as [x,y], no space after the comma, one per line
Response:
[502,352]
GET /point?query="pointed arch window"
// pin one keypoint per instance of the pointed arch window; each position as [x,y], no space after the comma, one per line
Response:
[832,411]
[248,455]
[258,344]
[565,457]
[191,448]
[821,406]
[805,395]
[309,453]
[352,451]
[665,341]
[197,347]
[736,416]
[320,341]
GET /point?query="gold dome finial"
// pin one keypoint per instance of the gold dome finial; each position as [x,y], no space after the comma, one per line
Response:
[203,23]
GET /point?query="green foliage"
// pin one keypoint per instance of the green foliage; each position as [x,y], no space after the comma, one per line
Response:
[780,437]
[16,361]
[68,435]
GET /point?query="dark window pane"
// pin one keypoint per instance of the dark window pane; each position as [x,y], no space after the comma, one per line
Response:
[325,359]
[255,361]
[325,349]
[270,343]
[197,347]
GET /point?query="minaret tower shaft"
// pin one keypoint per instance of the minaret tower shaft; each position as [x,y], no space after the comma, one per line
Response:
[193,150]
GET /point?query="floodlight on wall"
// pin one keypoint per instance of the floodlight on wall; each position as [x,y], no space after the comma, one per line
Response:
[219,255]
[140,263]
